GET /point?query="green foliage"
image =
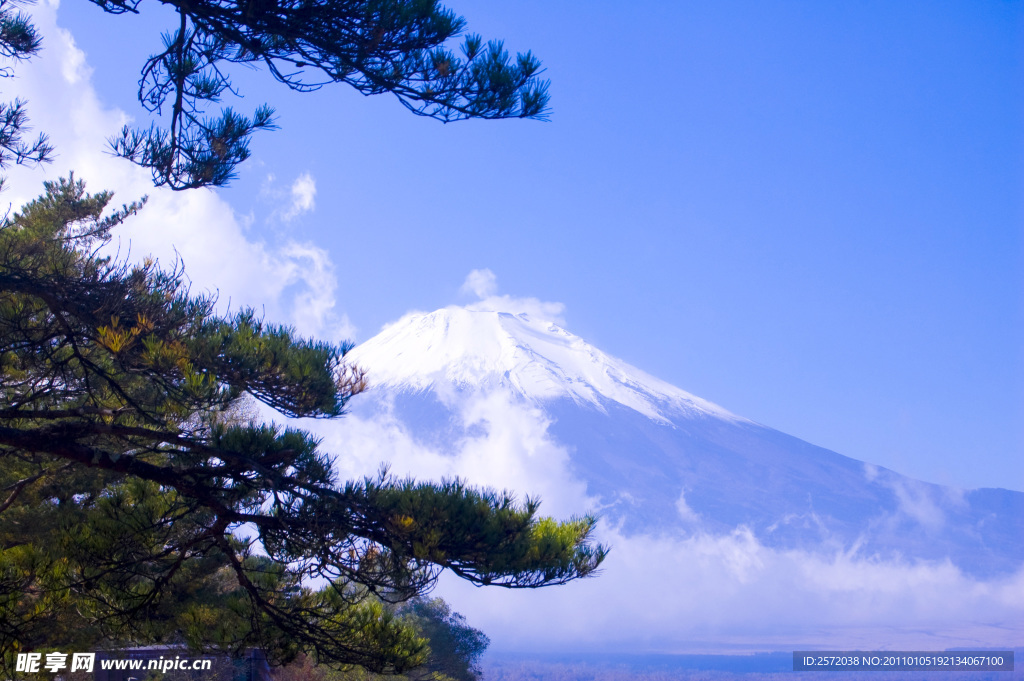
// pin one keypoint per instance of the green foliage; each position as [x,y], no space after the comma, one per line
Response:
[455,647]
[400,47]
[453,655]
[137,507]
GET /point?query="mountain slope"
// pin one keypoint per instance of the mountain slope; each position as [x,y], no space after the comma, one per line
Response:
[658,459]
[725,534]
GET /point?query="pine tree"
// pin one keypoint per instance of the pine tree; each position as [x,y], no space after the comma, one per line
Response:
[455,647]
[376,46]
[138,503]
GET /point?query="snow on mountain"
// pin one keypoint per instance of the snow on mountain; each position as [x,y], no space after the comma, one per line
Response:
[767,539]
[480,346]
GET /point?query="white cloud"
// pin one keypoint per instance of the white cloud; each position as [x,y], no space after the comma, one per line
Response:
[73,66]
[681,590]
[314,304]
[915,500]
[709,591]
[484,285]
[303,196]
[480,283]
[290,282]
[538,309]
[870,471]
[506,446]
[288,204]
[686,514]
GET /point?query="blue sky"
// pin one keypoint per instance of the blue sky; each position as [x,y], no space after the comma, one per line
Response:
[809,213]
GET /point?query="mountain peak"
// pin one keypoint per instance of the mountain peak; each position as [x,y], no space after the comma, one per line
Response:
[523,349]
[500,394]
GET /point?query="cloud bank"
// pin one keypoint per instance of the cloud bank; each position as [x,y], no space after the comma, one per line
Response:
[696,590]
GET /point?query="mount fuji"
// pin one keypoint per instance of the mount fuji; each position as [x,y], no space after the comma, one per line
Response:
[725,533]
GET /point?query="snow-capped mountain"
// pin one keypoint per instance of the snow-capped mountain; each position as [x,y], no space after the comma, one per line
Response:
[531,357]
[499,393]
[659,458]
